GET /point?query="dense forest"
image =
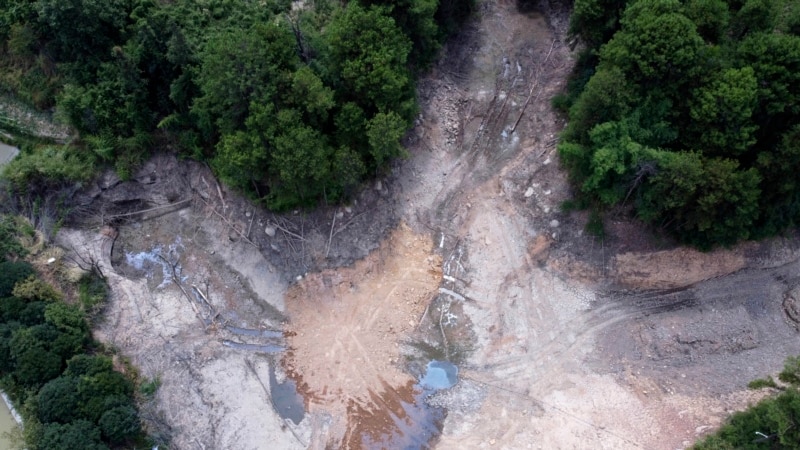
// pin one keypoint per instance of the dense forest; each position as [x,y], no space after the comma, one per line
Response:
[292,103]
[62,381]
[686,114]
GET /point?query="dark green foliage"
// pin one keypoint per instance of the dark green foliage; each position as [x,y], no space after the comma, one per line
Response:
[36,361]
[80,434]
[762,383]
[82,30]
[119,424]
[48,166]
[777,418]
[370,53]
[691,118]
[223,78]
[12,272]
[10,246]
[595,21]
[72,399]
[58,400]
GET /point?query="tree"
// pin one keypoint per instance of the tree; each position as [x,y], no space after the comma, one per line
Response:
[33,289]
[780,187]
[241,67]
[416,20]
[721,112]
[370,53]
[595,21]
[775,60]
[80,434]
[83,30]
[657,45]
[384,132]
[711,18]
[11,273]
[607,97]
[35,361]
[120,424]
[58,400]
[301,158]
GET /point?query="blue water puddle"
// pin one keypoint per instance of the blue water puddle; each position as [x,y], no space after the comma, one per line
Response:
[149,261]
[288,403]
[272,334]
[416,424]
[439,375]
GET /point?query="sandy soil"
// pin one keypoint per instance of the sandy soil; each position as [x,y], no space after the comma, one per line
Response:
[345,328]
[462,253]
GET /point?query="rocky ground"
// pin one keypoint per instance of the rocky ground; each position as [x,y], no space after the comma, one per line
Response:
[462,253]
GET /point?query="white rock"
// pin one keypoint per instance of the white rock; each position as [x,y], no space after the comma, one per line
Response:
[554,223]
[378,185]
[529,192]
[51,261]
[270,230]
[546,161]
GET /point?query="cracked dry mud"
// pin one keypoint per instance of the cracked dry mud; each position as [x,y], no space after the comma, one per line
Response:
[462,253]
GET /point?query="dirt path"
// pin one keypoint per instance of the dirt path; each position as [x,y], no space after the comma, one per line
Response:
[462,254]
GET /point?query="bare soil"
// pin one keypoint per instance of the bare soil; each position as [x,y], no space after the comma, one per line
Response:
[563,340]
[346,325]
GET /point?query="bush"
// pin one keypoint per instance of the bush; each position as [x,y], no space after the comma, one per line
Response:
[120,424]
[11,273]
[80,434]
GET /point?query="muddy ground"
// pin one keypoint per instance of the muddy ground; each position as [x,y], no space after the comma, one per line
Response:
[462,254]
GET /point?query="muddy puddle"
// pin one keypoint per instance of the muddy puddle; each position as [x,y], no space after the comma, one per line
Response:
[405,420]
[286,400]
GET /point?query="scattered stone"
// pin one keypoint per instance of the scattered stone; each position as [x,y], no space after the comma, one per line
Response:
[554,223]
[546,161]
[51,261]
[378,185]
[348,210]
[339,215]
[270,230]
[529,192]
[248,214]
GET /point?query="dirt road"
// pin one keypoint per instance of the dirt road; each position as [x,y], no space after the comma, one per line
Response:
[462,254]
